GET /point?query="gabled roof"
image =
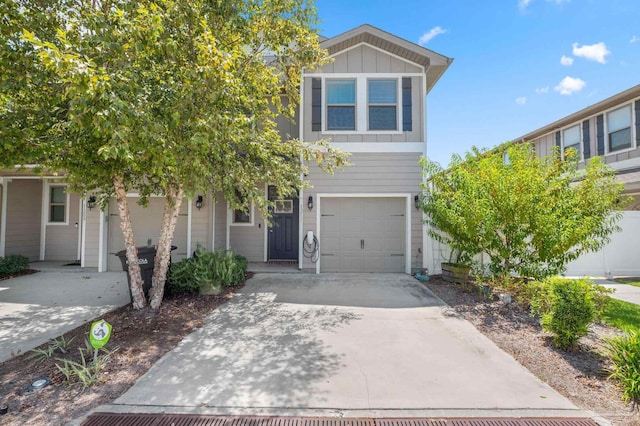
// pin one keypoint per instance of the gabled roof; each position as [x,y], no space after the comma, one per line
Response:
[583,114]
[434,63]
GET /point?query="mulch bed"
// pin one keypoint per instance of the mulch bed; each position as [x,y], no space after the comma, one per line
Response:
[142,337]
[18,274]
[579,374]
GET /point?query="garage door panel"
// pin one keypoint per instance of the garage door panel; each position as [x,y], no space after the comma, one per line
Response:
[362,234]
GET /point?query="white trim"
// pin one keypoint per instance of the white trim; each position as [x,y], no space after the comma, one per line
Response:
[318,205]
[251,216]
[386,147]
[408,199]
[44,218]
[47,200]
[424,113]
[632,126]
[228,225]
[301,213]
[363,43]
[3,215]
[356,75]
[101,242]
[213,222]
[362,105]
[301,205]
[83,230]
[80,203]
[265,243]
[189,220]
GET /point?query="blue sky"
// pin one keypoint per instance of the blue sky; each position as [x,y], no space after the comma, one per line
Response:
[519,64]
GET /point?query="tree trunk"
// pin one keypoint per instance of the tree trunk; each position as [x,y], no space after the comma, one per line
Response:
[135,277]
[163,250]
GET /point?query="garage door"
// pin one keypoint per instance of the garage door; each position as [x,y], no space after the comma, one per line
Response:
[362,235]
[146,228]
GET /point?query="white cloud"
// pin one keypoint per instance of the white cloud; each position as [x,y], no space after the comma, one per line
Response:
[521,100]
[430,35]
[542,90]
[634,39]
[522,4]
[570,85]
[566,61]
[595,52]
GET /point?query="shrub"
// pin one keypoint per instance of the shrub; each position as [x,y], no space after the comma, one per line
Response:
[567,307]
[13,264]
[207,270]
[624,352]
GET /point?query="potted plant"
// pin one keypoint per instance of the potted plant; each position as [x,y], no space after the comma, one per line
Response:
[457,269]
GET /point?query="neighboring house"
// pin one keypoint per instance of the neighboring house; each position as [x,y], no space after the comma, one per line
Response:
[610,129]
[370,101]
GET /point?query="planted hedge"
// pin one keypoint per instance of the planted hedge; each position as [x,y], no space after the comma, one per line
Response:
[13,264]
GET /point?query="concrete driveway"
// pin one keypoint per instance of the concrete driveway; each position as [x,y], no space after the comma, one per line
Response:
[350,344]
[36,308]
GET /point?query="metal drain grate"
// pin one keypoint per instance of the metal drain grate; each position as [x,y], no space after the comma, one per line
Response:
[132,419]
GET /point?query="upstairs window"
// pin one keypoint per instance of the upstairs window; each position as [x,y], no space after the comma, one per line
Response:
[619,129]
[571,139]
[341,104]
[383,104]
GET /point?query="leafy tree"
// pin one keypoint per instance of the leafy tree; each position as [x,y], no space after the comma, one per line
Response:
[164,97]
[530,215]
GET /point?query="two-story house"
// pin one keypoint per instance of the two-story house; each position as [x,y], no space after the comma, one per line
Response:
[609,129]
[369,101]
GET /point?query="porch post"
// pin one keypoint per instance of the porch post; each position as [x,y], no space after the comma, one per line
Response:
[3,215]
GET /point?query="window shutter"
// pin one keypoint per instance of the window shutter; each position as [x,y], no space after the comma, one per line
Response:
[637,106]
[600,133]
[316,104]
[407,125]
[559,143]
[586,140]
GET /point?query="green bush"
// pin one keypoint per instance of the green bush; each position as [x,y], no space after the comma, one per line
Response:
[567,307]
[13,263]
[207,272]
[624,352]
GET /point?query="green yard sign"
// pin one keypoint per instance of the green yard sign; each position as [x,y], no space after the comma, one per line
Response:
[99,334]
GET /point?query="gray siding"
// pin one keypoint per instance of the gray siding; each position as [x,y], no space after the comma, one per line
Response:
[249,240]
[221,223]
[289,129]
[201,223]
[24,214]
[92,237]
[370,173]
[364,59]
[61,241]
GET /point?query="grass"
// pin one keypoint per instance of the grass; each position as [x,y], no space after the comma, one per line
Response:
[622,315]
[635,281]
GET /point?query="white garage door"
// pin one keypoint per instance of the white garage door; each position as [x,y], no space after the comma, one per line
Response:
[362,235]
[146,228]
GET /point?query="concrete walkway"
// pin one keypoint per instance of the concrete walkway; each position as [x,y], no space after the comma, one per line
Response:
[365,345]
[626,292]
[36,308]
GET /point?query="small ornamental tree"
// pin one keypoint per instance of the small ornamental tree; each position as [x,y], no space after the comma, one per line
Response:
[159,97]
[529,215]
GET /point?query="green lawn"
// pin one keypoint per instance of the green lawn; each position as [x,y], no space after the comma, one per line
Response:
[623,315]
[631,281]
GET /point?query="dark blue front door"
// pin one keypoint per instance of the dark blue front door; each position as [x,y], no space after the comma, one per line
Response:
[283,234]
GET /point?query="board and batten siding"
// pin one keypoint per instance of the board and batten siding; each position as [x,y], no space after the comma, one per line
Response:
[24,216]
[220,237]
[92,237]
[364,59]
[201,223]
[248,241]
[61,241]
[375,173]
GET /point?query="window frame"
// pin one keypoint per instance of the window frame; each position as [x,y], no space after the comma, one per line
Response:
[231,217]
[395,105]
[580,141]
[354,105]
[631,127]
[48,204]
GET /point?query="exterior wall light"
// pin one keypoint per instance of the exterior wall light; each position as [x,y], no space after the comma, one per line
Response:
[91,202]
[199,202]
[416,201]
[310,202]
